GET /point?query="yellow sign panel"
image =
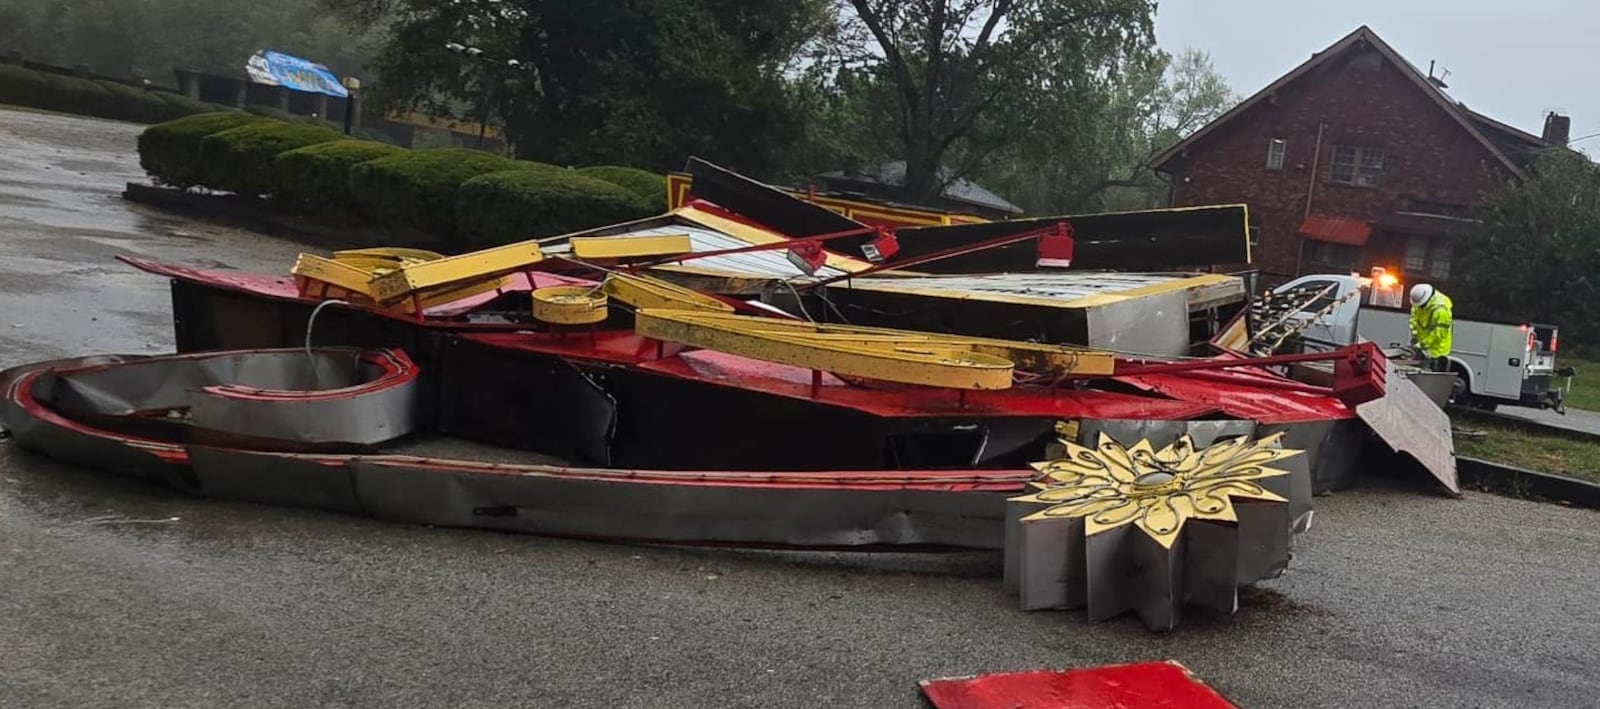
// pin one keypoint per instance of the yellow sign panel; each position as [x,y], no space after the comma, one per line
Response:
[615,247]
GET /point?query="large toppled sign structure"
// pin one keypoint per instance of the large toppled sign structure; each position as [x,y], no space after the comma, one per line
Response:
[753,369]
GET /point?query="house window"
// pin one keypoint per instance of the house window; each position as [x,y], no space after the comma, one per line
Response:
[1356,165]
[1275,150]
[1339,257]
[1439,266]
[1416,255]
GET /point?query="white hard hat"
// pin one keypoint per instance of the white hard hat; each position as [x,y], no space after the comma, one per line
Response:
[1420,293]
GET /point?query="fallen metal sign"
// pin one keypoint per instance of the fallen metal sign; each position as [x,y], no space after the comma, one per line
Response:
[1118,529]
[1410,423]
[1144,685]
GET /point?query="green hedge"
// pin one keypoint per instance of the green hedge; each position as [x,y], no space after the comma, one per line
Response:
[20,86]
[418,188]
[506,207]
[170,151]
[242,159]
[317,177]
[466,198]
[646,184]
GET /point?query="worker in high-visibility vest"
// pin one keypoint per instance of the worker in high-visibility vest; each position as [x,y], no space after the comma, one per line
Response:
[1431,325]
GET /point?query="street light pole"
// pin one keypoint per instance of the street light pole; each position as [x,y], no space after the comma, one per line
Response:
[351,86]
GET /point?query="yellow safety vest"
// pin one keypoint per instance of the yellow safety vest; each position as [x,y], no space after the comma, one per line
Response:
[1431,325]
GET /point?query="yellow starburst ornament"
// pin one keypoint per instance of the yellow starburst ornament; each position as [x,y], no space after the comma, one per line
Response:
[1111,486]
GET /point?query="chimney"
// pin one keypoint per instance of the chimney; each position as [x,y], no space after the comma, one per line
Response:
[1557,129]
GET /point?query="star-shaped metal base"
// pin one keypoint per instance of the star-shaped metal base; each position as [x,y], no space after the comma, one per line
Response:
[1116,529]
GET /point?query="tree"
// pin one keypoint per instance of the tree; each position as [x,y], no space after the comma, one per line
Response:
[638,83]
[151,37]
[1538,253]
[965,78]
[1097,133]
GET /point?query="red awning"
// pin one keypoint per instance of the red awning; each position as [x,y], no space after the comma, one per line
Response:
[1351,232]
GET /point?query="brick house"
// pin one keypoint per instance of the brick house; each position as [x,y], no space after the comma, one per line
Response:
[1354,159]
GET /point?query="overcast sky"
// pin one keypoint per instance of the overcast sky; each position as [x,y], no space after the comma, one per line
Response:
[1512,61]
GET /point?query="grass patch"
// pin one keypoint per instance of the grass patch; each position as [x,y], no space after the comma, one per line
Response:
[1545,453]
[1586,386]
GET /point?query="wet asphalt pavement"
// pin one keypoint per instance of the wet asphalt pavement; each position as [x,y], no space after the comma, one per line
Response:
[116,594]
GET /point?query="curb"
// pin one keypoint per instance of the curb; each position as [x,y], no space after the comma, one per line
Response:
[1523,424]
[1499,477]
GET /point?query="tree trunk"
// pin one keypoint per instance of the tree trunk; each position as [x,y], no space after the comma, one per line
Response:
[922,184]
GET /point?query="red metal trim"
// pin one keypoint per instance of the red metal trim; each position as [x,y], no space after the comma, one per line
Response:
[397,369]
[944,254]
[19,390]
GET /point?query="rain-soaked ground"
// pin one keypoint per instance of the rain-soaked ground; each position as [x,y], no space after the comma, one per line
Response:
[116,594]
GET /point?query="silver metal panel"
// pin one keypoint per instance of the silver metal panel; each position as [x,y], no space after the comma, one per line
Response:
[1163,433]
[1294,487]
[1206,433]
[1261,545]
[617,509]
[365,418]
[299,401]
[1211,569]
[1051,564]
[251,476]
[165,382]
[1156,324]
[1055,285]
[1411,424]
[1130,431]
[1011,576]
[772,263]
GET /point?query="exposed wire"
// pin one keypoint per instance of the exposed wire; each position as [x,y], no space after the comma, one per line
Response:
[798,301]
[311,322]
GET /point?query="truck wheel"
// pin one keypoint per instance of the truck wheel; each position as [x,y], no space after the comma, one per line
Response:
[1458,388]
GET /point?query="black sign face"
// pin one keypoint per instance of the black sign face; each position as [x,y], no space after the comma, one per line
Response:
[770,207]
[1153,240]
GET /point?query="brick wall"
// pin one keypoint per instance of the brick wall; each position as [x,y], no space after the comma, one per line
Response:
[1358,99]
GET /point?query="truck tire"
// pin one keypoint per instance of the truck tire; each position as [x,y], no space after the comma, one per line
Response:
[1459,387]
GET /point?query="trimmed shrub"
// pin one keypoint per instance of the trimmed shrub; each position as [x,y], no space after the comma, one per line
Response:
[282,115]
[241,159]
[170,151]
[68,94]
[417,188]
[179,105]
[644,183]
[317,177]
[506,207]
[20,86]
[137,105]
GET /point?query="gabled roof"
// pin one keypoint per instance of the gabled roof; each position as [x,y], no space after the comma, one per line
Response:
[1512,147]
[893,174]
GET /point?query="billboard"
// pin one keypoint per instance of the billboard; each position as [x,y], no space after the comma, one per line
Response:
[277,69]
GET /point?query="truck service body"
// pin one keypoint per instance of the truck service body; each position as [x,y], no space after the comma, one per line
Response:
[1496,363]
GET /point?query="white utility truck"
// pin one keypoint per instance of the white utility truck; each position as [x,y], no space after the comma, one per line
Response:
[1495,363]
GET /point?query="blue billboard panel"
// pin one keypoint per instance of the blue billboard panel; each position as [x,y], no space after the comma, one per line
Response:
[277,69]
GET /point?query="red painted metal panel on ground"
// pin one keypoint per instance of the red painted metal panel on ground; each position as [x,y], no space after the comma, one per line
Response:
[283,288]
[1146,685]
[1252,397]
